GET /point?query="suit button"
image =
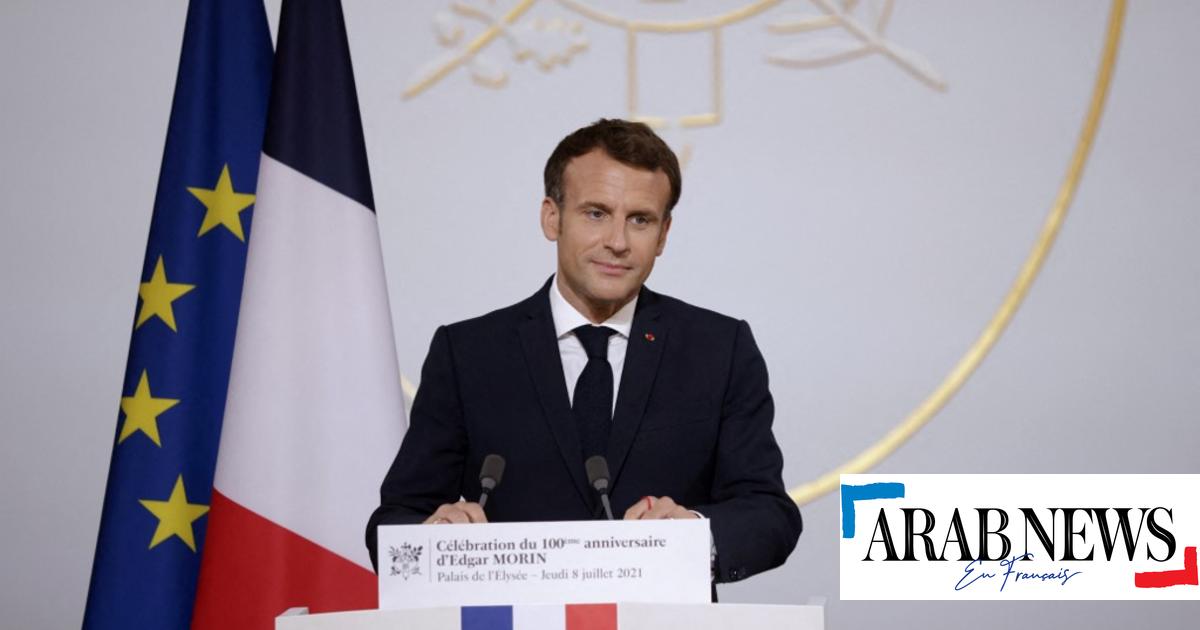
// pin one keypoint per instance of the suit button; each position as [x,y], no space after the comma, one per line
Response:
[737,574]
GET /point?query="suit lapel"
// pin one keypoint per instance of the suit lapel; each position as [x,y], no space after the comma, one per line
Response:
[647,338]
[540,346]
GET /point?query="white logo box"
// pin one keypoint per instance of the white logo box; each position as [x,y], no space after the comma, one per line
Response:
[1161,518]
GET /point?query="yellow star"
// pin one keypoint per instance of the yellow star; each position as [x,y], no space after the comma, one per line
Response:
[224,205]
[157,296]
[175,516]
[142,410]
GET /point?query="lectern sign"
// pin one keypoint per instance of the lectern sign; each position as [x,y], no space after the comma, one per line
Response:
[550,562]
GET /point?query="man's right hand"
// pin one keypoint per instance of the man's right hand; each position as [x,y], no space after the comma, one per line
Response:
[461,512]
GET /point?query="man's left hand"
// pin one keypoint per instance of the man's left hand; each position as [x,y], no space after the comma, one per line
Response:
[648,508]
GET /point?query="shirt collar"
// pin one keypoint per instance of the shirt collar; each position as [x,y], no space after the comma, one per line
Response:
[567,318]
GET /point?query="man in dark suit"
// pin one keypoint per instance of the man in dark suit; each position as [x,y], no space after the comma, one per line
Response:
[673,395]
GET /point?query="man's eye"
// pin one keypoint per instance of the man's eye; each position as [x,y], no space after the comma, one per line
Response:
[595,214]
[640,220]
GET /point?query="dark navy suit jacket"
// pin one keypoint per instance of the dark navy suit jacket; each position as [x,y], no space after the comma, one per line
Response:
[692,422]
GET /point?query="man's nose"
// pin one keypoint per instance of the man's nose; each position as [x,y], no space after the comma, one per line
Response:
[616,239]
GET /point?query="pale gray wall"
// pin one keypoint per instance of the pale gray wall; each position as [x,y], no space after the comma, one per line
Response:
[864,224]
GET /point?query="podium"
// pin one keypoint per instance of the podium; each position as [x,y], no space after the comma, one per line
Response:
[621,616]
[551,576]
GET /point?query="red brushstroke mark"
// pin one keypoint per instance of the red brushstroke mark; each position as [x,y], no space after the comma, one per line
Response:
[1162,579]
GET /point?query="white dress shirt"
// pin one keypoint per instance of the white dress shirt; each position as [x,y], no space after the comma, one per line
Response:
[574,358]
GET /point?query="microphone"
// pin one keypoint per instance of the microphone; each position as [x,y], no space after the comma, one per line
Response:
[597,472]
[489,476]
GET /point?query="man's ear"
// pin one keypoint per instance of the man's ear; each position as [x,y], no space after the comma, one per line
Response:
[551,219]
[662,237]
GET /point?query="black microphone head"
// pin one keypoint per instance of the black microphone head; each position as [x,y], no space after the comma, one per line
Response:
[597,472]
[491,472]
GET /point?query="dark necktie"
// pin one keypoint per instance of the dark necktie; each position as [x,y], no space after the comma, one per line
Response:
[592,401]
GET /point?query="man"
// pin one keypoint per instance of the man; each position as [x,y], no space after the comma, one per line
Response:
[594,363]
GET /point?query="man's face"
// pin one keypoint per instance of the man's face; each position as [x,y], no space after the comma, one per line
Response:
[611,226]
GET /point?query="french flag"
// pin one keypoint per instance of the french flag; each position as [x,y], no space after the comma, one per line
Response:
[314,412]
[568,617]
[519,617]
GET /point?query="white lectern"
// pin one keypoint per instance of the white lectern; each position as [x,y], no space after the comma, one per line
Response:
[631,616]
[528,576]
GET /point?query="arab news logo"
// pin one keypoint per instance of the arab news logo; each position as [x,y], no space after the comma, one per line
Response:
[1113,526]
[406,560]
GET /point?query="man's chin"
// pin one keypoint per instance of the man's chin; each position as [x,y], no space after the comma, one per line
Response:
[616,297]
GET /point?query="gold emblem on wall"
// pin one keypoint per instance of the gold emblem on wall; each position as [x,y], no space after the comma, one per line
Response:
[830,32]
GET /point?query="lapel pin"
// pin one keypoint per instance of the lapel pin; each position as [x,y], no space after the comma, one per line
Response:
[649,336]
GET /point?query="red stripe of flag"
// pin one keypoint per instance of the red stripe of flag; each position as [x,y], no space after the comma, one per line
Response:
[591,616]
[257,569]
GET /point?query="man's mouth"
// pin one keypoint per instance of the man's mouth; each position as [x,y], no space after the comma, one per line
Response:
[610,268]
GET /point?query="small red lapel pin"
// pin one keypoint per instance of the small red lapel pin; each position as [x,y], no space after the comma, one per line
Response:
[649,336]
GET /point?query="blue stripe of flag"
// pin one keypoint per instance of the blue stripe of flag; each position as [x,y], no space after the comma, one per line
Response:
[487,618]
[307,125]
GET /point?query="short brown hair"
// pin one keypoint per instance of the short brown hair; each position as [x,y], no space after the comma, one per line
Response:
[630,143]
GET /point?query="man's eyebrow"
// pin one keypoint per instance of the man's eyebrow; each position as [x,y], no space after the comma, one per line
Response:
[599,205]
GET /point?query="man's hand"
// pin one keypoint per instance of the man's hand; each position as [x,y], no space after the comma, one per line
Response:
[461,512]
[656,508]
